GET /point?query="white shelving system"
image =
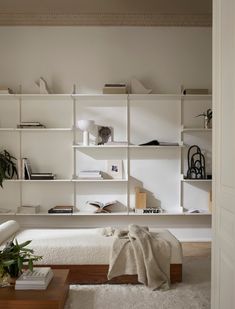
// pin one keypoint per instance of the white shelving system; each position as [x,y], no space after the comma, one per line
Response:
[136,119]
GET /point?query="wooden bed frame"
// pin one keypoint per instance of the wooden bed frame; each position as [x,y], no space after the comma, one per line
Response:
[97,274]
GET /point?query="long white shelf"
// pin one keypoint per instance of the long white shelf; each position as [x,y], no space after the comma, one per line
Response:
[99,180]
[35,129]
[193,180]
[38,180]
[99,146]
[64,180]
[79,213]
[100,96]
[126,146]
[196,130]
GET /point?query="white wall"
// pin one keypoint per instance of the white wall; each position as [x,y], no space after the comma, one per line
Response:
[163,58]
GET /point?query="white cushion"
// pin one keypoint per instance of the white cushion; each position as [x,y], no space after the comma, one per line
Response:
[8,229]
[81,246]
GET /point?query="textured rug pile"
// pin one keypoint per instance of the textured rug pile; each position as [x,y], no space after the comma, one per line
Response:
[192,293]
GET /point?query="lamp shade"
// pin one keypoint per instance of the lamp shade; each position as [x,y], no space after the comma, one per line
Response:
[85,125]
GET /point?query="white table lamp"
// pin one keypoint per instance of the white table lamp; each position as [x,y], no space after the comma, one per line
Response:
[86,126]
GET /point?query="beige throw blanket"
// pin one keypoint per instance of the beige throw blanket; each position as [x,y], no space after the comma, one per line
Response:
[137,251]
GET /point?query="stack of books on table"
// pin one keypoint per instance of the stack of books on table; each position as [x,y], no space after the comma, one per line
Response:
[38,279]
[61,210]
[90,174]
[30,125]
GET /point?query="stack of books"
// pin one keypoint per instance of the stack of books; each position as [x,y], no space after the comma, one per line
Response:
[195,91]
[90,174]
[30,125]
[38,279]
[61,210]
[115,89]
[25,171]
[42,176]
[6,90]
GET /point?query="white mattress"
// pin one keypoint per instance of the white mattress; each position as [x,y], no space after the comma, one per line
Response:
[81,246]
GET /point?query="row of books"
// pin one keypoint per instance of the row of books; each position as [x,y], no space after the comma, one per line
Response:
[115,89]
[38,279]
[90,174]
[61,209]
[30,125]
[25,171]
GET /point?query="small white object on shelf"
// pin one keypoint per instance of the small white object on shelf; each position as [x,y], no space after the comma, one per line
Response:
[138,88]
[28,209]
[43,87]
[86,126]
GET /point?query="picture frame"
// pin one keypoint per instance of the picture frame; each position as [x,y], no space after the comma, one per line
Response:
[115,169]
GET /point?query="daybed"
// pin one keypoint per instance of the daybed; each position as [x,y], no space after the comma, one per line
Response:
[85,252]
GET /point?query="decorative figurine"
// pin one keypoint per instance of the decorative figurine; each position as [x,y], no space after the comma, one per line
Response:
[43,87]
[196,163]
[207,118]
[104,134]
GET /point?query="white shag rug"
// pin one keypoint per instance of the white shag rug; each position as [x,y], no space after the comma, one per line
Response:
[192,293]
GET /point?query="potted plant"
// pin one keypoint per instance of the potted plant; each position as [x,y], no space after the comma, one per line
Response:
[14,257]
[7,166]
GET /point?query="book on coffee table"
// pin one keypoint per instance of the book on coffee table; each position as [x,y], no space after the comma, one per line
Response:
[38,279]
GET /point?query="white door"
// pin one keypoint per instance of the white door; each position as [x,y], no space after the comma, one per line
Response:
[223,253]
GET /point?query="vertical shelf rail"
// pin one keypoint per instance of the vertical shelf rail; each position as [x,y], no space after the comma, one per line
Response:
[74,149]
[128,151]
[182,148]
[20,154]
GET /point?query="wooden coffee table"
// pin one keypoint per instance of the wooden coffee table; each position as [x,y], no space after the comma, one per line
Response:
[53,297]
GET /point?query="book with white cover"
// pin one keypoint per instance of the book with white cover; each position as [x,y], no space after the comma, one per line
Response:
[38,279]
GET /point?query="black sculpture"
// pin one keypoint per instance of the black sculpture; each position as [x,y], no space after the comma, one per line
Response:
[196,163]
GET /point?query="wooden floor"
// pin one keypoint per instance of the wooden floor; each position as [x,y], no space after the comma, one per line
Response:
[196,248]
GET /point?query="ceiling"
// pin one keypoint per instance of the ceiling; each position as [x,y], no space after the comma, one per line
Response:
[107,12]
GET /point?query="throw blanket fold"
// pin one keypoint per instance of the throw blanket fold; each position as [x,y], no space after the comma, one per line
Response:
[137,251]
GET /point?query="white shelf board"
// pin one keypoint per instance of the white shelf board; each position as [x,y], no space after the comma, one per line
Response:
[80,213]
[172,214]
[99,180]
[154,97]
[196,130]
[196,97]
[7,96]
[154,147]
[39,96]
[99,96]
[35,129]
[7,213]
[99,146]
[38,180]
[195,180]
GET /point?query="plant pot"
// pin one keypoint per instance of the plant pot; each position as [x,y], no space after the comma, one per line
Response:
[12,280]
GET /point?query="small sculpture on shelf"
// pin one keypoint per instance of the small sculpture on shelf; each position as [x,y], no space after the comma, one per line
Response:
[43,86]
[196,163]
[207,118]
[104,134]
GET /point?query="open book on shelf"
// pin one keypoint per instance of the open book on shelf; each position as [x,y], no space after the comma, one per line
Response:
[102,207]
